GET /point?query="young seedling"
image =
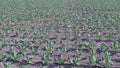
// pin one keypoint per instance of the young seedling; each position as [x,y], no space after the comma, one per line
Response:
[67,35]
[2,56]
[14,55]
[58,30]
[23,48]
[110,35]
[45,40]
[40,29]
[32,27]
[25,35]
[89,45]
[5,65]
[49,50]
[107,60]
[7,32]
[58,27]
[1,46]
[35,49]
[77,44]
[45,58]
[87,33]
[62,51]
[115,46]
[34,39]
[27,43]
[92,52]
[60,59]
[4,40]
[56,35]
[92,60]
[36,34]
[52,43]
[74,60]
[63,43]
[16,41]
[99,35]
[92,57]
[77,52]
[17,33]
[40,42]
[103,47]
[27,58]
[77,34]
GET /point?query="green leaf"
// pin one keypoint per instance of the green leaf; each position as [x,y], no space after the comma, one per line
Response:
[5,65]
[3,55]
[60,60]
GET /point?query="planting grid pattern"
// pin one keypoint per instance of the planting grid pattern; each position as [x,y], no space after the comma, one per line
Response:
[60,33]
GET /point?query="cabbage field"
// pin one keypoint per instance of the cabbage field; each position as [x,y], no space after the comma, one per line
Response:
[59,33]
